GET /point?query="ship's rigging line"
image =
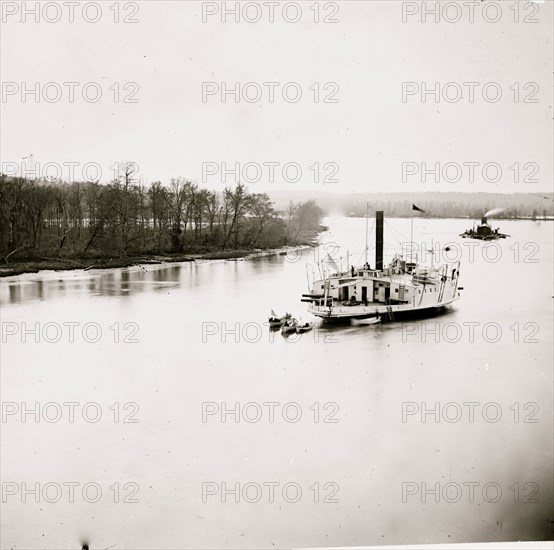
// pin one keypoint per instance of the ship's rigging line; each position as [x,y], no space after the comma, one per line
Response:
[370,237]
[398,236]
[397,233]
[400,240]
[360,251]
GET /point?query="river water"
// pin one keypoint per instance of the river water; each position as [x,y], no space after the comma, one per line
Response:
[147,394]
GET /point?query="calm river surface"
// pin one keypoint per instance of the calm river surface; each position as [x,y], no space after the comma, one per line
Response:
[347,434]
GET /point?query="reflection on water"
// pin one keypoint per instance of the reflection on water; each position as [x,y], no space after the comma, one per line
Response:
[125,281]
[201,338]
[121,282]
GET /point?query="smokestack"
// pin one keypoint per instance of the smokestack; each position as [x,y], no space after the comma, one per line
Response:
[483,220]
[379,240]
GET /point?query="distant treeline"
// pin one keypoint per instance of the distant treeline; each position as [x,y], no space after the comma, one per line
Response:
[450,205]
[123,218]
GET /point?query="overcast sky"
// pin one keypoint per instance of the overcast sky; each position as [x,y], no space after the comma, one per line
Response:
[368,134]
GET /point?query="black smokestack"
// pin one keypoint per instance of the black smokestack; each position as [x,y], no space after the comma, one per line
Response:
[483,220]
[379,240]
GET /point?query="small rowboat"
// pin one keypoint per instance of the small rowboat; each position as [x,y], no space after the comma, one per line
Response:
[289,326]
[277,322]
[305,327]
[364,322]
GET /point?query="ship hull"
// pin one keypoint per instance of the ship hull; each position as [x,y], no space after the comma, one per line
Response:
[386,316]
[338,314]
[484,237]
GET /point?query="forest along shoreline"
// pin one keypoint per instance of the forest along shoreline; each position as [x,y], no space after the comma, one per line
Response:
[57,225]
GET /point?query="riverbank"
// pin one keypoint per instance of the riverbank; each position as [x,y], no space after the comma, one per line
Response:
[67,264]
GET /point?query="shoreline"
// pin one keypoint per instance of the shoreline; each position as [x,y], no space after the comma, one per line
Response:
[67,264]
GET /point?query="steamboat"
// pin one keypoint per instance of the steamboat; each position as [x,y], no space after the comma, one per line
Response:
[483,232]
[389,293]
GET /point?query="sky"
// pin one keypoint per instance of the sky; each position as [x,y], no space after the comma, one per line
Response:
[364,138]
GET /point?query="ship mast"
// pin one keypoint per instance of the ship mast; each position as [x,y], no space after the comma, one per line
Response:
[366,228]
[412,238]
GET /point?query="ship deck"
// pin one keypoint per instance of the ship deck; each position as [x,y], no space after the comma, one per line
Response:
[405,279]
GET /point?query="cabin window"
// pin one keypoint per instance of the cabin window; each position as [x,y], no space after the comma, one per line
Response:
[396,290]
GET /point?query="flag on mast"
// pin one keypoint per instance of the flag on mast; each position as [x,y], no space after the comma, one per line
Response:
[414,207]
